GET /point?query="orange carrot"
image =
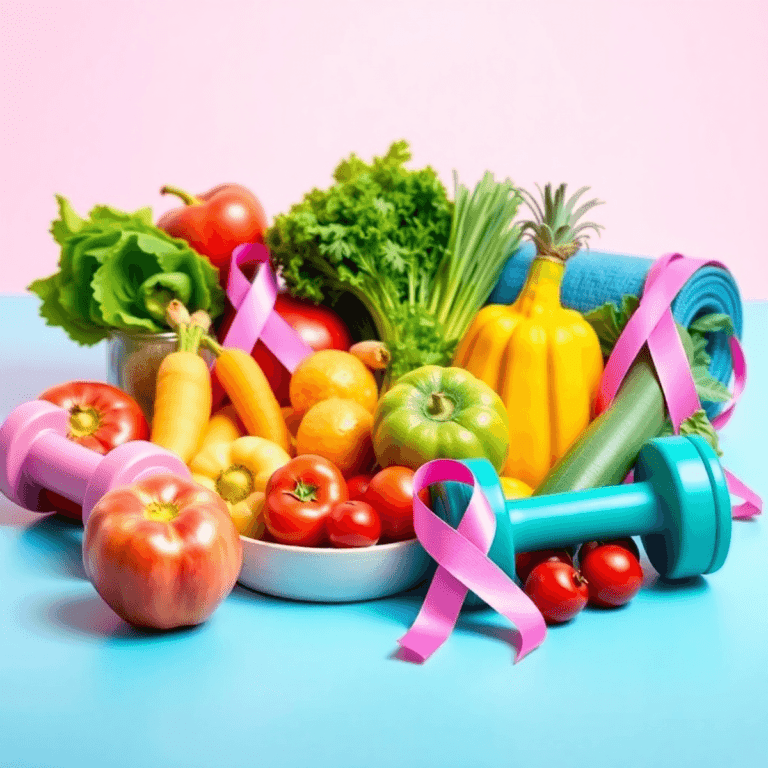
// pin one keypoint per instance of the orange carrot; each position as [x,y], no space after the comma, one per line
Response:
[250,393]
[183,391]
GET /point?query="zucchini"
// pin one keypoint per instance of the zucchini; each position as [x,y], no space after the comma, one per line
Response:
[607,449]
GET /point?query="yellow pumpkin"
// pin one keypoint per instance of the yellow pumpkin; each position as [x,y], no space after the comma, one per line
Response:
[542,359]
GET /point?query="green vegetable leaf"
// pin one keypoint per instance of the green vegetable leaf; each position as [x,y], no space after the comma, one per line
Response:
[115,271]
[609,321]
[68,222]
[713,323]
[421,265]
[697,424]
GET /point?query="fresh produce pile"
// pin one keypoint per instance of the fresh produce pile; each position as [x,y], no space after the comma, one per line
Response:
[386,279]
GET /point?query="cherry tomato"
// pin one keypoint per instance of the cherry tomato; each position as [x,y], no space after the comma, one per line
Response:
[101,417]
[614,575]
[390,493]
[299,498]
[525,562]
[557,589]
[353,524]
[163,552]
[358,485]
[627,542]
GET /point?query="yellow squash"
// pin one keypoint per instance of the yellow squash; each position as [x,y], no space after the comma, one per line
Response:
[545,363]
[542,359]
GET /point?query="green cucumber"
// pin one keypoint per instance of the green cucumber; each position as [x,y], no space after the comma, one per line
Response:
[607,449]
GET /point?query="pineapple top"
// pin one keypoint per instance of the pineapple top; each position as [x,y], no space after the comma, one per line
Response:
[555,228]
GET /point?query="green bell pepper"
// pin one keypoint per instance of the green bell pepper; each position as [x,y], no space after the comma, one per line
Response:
[440,413]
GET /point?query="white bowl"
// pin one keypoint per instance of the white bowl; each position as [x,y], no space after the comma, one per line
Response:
[331,575]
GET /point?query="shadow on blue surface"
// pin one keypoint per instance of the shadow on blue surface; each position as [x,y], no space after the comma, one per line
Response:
[693,585]
[88,616]
[54,544]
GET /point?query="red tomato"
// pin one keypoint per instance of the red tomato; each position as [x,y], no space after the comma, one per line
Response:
[358,485]
[299,498]
[390,493]
[163,552]
[627,542]
[353,524]
[614,575]
[101,417]
[558,590]
[525,562]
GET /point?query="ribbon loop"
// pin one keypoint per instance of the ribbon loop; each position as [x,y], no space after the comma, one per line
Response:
[254,303]
[463,564]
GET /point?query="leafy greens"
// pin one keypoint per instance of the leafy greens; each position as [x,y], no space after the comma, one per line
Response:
[117,271]
[421,264]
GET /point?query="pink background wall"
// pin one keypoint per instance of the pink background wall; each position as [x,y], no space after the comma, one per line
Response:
[659,106]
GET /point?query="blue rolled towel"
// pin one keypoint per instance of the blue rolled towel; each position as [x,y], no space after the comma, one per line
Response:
[594,277]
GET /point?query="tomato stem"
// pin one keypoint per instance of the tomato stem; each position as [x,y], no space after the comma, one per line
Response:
[186,197]
[83,422]
[440,407]
[161,511]
[304,491]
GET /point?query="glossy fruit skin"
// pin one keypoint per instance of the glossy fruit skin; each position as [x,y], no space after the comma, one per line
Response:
[226,216]
[353,524]
[357,486]
[159,574]
[338,429]
[440,413]
[627,542]
[332,373]
[120,418]
[117,417]
[319,327]
[299,498]
[558,591]
[614,575]
[525,562]
[390,493]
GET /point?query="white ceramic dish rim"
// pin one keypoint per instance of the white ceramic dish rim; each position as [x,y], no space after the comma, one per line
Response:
[331,551]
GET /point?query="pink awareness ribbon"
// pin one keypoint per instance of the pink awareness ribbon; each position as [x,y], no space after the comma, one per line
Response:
[463,564]
[255,302]
[653,324]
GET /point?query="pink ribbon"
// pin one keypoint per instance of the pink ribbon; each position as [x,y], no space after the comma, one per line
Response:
[255,303]
[463,564]
[653,324]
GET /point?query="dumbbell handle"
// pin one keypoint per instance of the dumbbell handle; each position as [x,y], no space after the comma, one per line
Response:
[36,455]
[61,465]
[606,513]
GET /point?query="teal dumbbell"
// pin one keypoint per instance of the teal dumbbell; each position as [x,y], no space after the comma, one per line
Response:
[679,505]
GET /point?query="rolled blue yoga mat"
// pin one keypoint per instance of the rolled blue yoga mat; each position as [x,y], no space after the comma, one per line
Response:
[595,277]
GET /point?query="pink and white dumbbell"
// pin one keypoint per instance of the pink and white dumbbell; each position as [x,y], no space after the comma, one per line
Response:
[36,455]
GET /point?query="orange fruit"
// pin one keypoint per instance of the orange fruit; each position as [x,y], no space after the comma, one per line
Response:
[332,373]
[339,430]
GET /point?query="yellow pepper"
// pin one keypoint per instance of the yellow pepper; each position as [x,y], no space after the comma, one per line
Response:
[237,467]
[515,489]
[545,363]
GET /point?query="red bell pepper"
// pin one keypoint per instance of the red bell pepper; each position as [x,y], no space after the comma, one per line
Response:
[216,222]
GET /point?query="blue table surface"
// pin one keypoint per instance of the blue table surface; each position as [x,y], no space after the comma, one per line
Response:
[678,677]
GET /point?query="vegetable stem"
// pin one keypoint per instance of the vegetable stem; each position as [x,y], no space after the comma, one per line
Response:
[186,197]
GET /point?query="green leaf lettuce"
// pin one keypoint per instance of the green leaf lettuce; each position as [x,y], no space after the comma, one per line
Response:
[117,271]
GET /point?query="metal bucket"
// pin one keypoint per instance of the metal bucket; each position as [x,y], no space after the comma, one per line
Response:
[133,362]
